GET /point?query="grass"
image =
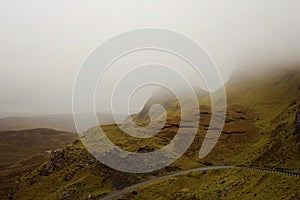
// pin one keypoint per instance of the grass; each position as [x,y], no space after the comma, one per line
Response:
[220,184]
[22,151]
[258,131]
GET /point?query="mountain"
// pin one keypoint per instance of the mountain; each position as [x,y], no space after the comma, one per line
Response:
[259,131]
[24,150]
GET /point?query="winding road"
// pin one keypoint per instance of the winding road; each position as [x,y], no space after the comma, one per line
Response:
[132,187]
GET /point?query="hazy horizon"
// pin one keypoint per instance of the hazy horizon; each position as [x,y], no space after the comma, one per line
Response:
[43,44]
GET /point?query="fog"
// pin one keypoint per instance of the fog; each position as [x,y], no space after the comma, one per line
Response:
[44,43]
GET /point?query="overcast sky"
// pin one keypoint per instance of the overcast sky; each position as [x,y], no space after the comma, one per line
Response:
[43,43]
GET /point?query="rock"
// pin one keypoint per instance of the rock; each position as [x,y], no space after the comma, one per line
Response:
[65,193]
[145,149]
[76,141]
[297,124]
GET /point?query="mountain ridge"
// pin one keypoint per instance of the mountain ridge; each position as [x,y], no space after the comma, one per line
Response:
[259,131]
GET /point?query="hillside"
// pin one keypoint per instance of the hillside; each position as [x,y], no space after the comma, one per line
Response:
[21,151]
[259,131]
[220,184]
[274,97]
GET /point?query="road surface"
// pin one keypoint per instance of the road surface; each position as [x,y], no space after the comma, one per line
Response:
[132,187]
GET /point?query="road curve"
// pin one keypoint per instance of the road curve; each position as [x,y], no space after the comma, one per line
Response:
[132,187]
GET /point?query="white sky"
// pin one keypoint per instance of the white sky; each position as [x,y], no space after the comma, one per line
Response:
[43,42]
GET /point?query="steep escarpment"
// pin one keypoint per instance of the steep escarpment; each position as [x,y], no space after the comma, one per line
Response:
[274,98]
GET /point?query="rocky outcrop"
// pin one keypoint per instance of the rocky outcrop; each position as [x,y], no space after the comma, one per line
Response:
[70,173]
[297,124]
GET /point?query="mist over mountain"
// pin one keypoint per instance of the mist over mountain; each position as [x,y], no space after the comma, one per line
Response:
[86,113]
[259,132]
[43,45]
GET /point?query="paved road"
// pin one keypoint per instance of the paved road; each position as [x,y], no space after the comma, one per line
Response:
[275,171]
[132,187]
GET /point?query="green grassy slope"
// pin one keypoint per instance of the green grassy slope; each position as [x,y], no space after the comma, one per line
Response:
[19,144]
[21,151]
[273,98]
[259,131]
[221,184]
[71,172]
[270,99]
